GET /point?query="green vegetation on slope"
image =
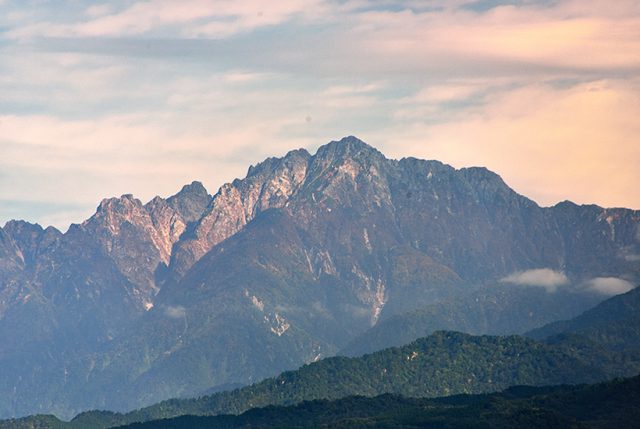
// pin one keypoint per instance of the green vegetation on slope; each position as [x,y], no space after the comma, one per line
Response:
[444,363]
[614,404]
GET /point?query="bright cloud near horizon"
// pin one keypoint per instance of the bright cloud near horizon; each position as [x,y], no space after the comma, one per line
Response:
[105,98]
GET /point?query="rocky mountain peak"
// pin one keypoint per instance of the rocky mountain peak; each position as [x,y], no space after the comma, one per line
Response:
[122,204]
[125,230]
[19,227]
[112,212]
[26,237]
[347,158]
[196,187]
[347,173]
[348,148]
[269,184]
[191,202]
[273,183]
[270,165]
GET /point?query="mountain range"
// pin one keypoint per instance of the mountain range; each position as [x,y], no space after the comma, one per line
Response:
[300,260]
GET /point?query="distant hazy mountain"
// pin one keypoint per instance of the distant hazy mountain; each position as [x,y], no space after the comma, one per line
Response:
[614,323]
[145,302]
[498,309]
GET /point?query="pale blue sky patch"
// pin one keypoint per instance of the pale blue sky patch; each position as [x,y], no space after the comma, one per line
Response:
[49,212]
[485,5]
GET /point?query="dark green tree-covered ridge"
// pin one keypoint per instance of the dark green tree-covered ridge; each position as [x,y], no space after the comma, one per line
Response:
[444,363]
[615,404]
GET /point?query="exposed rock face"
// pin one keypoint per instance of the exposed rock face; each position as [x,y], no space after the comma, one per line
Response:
[22,245]
[171,217]
[191,202]
[145,302]
[11,257]
[168,226]
[268,185]
[139,238]
[125,231]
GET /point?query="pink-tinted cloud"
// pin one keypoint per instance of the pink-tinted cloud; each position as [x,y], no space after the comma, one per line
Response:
[563,36]
[189,18]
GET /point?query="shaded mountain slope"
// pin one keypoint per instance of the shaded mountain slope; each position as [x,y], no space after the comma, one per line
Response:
[614,323]
[500,309]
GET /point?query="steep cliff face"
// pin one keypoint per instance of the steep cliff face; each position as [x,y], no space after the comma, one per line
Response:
[598,241]
[20,244]
[123,228]
[11,259]
[268,185]
[139,238]
[168,226]
[145,302]
[191,202]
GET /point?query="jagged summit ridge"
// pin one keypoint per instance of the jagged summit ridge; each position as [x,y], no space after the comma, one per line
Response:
[271,163]
[270,184]
[191,202]
[349,146]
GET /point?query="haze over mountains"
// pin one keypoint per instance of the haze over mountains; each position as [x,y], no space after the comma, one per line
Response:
[144,302]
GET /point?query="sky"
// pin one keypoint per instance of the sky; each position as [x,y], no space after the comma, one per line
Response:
[99,99]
